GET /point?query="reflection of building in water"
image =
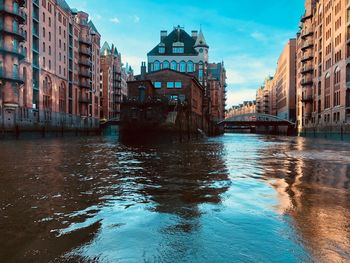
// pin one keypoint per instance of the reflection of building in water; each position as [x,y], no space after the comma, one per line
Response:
[314,193]
[180,186]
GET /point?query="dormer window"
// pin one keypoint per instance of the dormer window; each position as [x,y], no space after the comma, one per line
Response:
[178,48]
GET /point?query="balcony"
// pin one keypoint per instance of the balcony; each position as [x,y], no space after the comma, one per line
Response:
[12,51]
[307,57]
[305,17]
[85,85]
[19,14]
[306,70]
[307,45]
[307,99]
[85,41]
[17,33]
[85,73]
[85,52]
[11,77]
[85,63]
[306,33]
[306,82]
[84,99]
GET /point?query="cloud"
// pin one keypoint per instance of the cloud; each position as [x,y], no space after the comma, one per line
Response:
[237,97]
[136,19]
[115,20]
[259,36]
[133,61]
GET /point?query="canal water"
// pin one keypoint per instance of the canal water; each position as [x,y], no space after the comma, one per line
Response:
[235,198]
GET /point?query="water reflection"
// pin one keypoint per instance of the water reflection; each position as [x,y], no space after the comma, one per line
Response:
[315,193]
[239,197]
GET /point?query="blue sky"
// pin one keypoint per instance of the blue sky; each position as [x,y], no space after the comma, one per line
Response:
[248,35]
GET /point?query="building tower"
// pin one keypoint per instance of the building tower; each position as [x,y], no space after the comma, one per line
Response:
[11,53]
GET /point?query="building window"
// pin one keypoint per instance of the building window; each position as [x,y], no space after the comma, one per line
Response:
[178,50]
[170,85]
[200,75]
[178,84]
[174,97]
[157,85]
[156,66]
[161,50]
[182,66]
[190,67]
[173,65]
[15,26]
[15,71]
[166,64]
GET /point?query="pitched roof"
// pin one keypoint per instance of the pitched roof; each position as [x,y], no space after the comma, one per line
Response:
[176,36]
[93,27]
[201,42]
[63,4]
[105,50]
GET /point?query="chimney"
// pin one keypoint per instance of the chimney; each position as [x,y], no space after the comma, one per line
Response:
[143,70]
[163,34]
[194,34]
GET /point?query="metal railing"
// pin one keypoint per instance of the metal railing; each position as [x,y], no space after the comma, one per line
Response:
[24,118]
[17,12]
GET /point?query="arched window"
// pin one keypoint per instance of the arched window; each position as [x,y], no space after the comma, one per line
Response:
[182,66]
[166,64]
[47,94]
[327,98]
[173,65]
[156,66]
[62,97]
[337,76]
[190,66]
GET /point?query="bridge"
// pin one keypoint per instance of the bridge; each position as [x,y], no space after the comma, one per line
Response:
[255,121]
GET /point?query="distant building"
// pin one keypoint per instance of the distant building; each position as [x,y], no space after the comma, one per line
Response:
[284,83]
[154,97]
[247,107]
[111,82]
[189,54]
[181,52]
[217,86]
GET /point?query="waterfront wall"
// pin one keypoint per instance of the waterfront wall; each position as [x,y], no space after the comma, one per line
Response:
[21,119]
[339,132]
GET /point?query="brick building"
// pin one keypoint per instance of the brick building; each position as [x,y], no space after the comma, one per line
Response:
[181,95]
[111,82]
[55,73]
[323,76]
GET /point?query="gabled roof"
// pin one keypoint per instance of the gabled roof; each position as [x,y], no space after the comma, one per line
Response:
[201,42]
[105,50]
[177,35]
[93,27]
[114,50]
[63,4]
